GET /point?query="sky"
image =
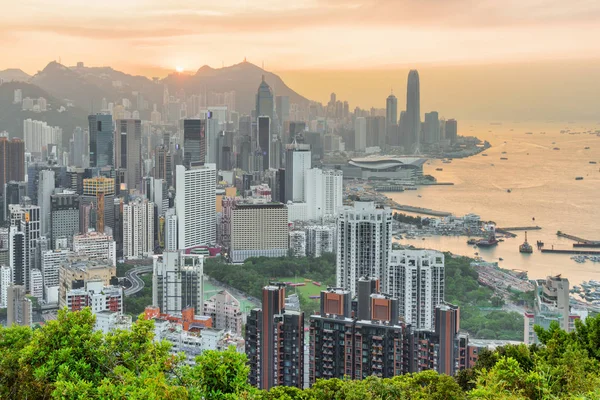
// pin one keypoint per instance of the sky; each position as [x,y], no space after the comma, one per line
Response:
[156,36]
[525,57]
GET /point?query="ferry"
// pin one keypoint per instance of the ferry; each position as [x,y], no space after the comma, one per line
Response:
[484,155]
[439,169]
[556,148]
[491,241]
[592,162]
[503,158]
[586,148]
[508,191]
[579,178]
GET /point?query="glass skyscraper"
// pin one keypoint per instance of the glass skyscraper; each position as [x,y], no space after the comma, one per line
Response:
[101,140]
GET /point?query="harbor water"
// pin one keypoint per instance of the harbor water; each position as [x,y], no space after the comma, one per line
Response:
[540,170]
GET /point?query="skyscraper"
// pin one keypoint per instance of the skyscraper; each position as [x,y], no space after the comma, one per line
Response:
[194,141]
[195,205]
[391,120]
[101,140]
[323,192]
[282,107]
[264,139]
[19,310]
[264,100]
[413,111]
[128,151]
[297,162]
[26,217]
[275,342]
[451,130]
[64,220]
[138,229]
[364,244]
[360,134]
[45,189]
[431,130]
[12,161]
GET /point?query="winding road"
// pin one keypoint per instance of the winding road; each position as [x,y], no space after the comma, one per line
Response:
[137,284]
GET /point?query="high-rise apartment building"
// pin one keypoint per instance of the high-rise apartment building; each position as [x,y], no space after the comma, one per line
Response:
[255,229]
[16,254]
[319,240]
[101,140]
[364,242]
[45,189]
[225,312]
[51,262]
[96,246]
[26,217]
[128,151]
[416,278]
[6,279]
[19,307]
[195,205]
[171,230]
[12,161]
[64,217]
[138,229]
[323,192]
[275,342]
[413,112]
[297,161]
[38,136]
[36,284]
[264,139]
[194,142]
[178,282]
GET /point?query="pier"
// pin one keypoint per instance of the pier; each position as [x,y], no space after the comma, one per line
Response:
[521,228]
[567,251]
[577,238]
[586,244]
[420,210]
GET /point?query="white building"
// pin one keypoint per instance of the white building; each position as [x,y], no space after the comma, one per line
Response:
[108,321]
[178,282]
[323,192]
[298,243]
[171,230]
[18,96]
[5,282]
[297,211]
[38,134]
[364,242]
[416,279]
[319,240]
[45,189]
[97,296]
[138,229]
[225,311]
[36,284]
[297,162]
[195,205]
[96,246]
[51,262]
[360,134]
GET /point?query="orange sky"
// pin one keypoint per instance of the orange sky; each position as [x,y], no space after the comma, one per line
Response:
[151,37]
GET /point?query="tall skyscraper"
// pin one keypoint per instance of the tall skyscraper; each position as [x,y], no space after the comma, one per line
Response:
[178,282]
[45,189]
[297,162]
[413,111]
[163,164]
[364,244]
[264,139]
[100,193]
[64,219]
[323,192]
[282,107]
[195,205]
[275,342]
[431,130]
[264,100]
[13,193]
[26,217]
[138,229]
[451,130]
[128,151]
[416,278]
[194,141]
[12,161]
[101,140]
[391,120]
[360,134]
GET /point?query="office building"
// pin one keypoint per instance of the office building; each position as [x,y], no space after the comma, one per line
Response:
[297,162]
[254,228]
[225,312]
[323,193]
[12,161]
[360,134]
[45,189]
[128,151]
[431,129]
[27,218]
[178,282]
[264,139]
[194,142]
[96,246]
[64,217]
[282,108]
[6,279]
[264,100]
[36,284]
[376,133]
[195,205]
[275,342]
[101,140]
[451,130]
[138,229]
[163,164]
[413,112]
[16,255]
[99,192]
[51,262]
[19,307]
[319,240]
[296,128]
[75,271]
[416,278]
[13,194]
[79,147]
[391,120]
[364,242]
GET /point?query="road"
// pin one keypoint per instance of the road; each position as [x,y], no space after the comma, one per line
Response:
[137,284]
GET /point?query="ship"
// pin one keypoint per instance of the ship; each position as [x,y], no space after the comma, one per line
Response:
[472,241]
[439,169]
[592,162]
[489,242]
[503,158]
[525,247]
[579,178]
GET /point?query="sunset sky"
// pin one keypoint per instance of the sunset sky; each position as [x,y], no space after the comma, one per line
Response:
[147,36]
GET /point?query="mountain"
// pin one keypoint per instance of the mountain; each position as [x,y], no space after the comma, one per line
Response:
[14,74]
[244,78]
[12,115]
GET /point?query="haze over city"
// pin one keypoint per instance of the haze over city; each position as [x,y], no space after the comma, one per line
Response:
[526,60]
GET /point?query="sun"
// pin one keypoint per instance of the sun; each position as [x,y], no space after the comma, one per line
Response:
[179,69]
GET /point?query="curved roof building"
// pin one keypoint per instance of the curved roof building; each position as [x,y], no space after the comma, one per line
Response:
[385,167]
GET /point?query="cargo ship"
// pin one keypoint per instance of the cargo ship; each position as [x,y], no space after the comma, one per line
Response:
[491,241]
[525,247]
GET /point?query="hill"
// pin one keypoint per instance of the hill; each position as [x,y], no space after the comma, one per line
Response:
[14,74]
[12,115]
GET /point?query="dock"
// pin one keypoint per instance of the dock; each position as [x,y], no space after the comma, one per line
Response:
[521,228]
[586,244]
[420,210]
[577,238]
[567,251]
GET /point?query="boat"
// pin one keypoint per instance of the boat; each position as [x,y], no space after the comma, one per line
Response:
[586,148]
[471,241]
[525,247]
[508,190]
[503,152]
[503,158]
[484,155]
[592,162]
[529,133]
[579,178]
[419,195]
[446,161]
[556,148]
[501,259]
[439,169]
[491,241]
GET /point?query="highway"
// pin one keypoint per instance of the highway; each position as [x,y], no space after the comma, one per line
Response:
[137,284]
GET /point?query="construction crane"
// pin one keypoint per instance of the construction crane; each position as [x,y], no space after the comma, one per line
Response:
[100,212]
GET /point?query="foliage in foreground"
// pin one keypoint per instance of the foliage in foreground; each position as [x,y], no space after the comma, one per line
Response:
[66,359]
